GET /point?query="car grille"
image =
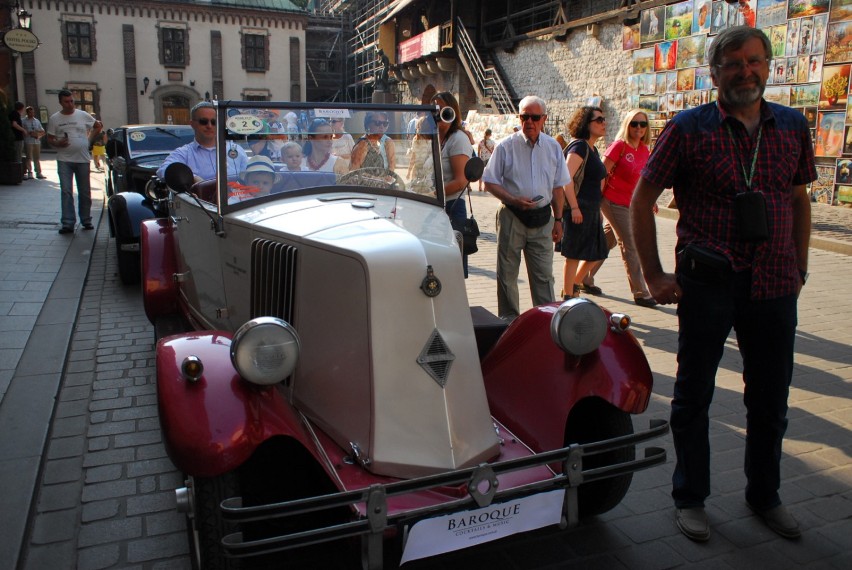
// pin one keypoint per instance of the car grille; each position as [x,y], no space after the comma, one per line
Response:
[273,279]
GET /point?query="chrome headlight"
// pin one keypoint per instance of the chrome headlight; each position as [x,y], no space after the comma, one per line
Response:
[265,350]
[578,326]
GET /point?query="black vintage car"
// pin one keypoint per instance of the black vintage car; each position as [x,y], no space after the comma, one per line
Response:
[135,152]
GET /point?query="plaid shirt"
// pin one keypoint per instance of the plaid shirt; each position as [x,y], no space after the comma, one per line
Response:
[704,163]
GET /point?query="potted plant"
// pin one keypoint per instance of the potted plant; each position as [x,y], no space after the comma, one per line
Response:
[11,171]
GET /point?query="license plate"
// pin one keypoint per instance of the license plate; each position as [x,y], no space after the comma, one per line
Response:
[447,533]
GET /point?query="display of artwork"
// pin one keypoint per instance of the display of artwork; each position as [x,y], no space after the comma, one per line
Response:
[811,45]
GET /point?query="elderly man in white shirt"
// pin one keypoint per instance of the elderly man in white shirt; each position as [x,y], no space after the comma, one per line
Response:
[527,173]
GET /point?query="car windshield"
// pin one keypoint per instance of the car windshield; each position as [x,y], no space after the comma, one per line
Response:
[293,147]
[157,139]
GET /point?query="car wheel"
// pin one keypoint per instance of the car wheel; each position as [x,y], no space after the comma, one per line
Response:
[595,420]
[129,265]
[205,526]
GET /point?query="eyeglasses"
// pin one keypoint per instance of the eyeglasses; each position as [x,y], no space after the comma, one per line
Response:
[204,121]
[535,118]
[381,123]
[599,120]
[753,64]
[635,124]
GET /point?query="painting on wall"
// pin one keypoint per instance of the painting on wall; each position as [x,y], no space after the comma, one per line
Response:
[835,87]
[841,10]
[701,17]
[720,16]
[799,8]
[665,55]
[671,81]
[652,24]
[839,42]
[679,20]
[843,171]
[810,114]
[806,35]
[829,135]
[630,37]
[806,95]
[702,78]
[771,13]
[690,51]
[814,68]
[792,47]
[643,60]
[779,94]
[686,79]
[778,40]
[818,43]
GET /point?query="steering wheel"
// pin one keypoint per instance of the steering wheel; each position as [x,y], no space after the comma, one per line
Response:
[373,178]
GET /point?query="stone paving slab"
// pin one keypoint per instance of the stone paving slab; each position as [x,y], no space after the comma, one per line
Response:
[106,469]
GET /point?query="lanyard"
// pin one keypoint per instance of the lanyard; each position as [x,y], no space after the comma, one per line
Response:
[749,176]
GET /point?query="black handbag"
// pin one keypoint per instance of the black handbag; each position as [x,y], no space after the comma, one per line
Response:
[468,228]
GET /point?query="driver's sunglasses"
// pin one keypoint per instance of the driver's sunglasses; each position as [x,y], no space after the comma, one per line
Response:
[381,123]
[535,118]
[204,121]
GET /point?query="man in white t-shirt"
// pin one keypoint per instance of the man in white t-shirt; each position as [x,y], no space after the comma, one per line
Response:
[70,131]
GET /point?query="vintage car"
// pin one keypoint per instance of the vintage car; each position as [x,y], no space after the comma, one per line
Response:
[321,376]
[134,153]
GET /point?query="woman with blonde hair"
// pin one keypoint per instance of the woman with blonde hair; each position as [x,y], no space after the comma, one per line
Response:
[624,160]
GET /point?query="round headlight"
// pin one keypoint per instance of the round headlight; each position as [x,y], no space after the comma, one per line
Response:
[265,350]
[578,326]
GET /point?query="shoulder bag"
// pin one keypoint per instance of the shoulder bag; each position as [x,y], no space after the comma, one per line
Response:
[581,172]
[468,228]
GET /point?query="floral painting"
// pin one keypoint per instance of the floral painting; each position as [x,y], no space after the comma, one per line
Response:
[835,87]
[839,42]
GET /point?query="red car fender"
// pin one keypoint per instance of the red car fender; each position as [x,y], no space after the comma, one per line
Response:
[213,425]
[533,385]
[159,290]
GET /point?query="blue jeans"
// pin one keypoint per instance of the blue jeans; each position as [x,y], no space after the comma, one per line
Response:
[457,210]
[68,172]
[765,332]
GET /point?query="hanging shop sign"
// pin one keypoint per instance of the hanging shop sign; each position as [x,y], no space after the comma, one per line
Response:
[20,40]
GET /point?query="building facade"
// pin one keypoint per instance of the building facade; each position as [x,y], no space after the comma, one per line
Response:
[150,61]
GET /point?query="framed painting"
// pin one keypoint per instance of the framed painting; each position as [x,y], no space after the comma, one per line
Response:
[701,20]
[799,8]
[829,134]
[818,41]
[778,40]
[665,55]
[652,24]
[643,60]
[771,13]
[686,79]
[679,20]
[720,16]
[835,87]
[838,48]
[690,51]
[841,10]
[630,37]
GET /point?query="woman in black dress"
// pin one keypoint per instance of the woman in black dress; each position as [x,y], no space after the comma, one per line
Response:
[583,237]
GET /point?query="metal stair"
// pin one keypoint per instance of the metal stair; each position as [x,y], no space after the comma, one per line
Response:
[487,81]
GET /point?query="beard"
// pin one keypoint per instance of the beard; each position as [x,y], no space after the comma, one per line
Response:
[737,96]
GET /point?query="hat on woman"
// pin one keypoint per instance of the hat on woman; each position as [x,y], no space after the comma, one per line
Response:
[259,164]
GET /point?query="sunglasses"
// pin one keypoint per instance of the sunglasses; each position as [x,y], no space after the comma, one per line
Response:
[599,120]
[381,123]
[635,124]
[535,118]
[205,121]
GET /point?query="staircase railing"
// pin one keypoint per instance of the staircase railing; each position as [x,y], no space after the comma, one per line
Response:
[486,80]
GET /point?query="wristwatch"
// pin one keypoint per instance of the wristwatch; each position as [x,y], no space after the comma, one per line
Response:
[804,275]
[557,219]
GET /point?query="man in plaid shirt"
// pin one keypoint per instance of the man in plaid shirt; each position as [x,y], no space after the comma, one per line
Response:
[738,168]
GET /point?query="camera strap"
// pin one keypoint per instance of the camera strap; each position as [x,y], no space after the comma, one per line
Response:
[749,176]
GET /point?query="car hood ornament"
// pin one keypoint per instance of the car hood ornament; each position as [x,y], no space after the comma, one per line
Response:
[431,285]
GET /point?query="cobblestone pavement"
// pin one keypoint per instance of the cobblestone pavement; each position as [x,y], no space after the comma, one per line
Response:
[105,498]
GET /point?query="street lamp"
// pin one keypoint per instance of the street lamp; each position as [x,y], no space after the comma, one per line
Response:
[24,19]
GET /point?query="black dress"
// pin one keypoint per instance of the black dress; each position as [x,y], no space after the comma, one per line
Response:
[586,241]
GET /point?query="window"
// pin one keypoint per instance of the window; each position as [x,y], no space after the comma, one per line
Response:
[255,55]
[85,96]
[173,46]
[78,39]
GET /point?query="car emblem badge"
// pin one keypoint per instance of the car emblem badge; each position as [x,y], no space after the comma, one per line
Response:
[436,358]
[431,285]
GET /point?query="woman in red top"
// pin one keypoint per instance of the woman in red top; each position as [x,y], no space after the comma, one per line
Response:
[624,160]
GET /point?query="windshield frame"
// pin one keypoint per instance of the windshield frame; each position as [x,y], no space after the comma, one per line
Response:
[226,137]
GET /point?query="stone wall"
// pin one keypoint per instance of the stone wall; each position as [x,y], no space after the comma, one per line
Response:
[566,74]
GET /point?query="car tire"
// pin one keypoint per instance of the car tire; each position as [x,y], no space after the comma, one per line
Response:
[595,420]
[206,527]
[129,265]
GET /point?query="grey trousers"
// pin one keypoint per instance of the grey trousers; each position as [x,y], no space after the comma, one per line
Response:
[513,237]
[619,218]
